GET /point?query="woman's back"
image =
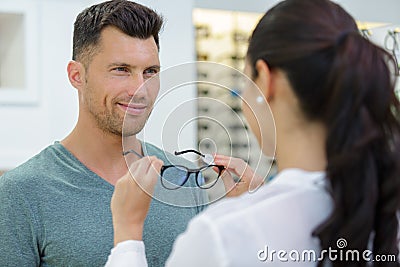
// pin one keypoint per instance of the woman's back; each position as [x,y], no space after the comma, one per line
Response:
[271,226]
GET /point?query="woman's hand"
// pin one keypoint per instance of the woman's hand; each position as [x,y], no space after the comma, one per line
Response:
[131,199]
[249,180]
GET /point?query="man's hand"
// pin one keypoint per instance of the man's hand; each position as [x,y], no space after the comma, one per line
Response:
[131,198]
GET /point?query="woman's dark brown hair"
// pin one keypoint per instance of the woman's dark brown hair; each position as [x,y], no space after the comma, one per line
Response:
[344,81]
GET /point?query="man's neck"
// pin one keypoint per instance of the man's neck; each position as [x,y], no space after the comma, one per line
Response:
[99,151]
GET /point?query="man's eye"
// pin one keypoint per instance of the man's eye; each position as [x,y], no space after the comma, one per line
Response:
[151,72]
[121,69]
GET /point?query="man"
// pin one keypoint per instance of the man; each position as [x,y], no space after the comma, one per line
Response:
[55,208]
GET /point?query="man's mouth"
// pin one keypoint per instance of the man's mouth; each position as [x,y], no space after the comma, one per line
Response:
[133,108]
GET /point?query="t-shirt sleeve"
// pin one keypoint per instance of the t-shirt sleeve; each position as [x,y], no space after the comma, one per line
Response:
[198,246]
[130,253]
[18,233]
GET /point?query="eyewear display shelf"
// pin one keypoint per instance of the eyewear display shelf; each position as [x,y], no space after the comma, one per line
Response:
[221,125]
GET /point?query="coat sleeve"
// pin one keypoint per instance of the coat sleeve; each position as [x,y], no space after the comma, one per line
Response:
[198,246]
[130,253]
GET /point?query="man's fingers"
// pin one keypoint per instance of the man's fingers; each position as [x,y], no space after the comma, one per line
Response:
[154,171]
[145,172]
[139,166]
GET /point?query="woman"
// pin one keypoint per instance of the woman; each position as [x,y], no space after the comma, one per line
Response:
[337,191]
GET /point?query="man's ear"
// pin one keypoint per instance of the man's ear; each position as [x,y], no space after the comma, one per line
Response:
[76,74]
[263,79]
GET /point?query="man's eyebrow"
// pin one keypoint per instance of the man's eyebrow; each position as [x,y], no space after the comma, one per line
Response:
[158,67]
[122,64]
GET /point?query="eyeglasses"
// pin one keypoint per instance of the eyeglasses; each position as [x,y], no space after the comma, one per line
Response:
[176,176]
[392,43]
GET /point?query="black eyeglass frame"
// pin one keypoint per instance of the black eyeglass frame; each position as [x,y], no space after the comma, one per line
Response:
[189,171]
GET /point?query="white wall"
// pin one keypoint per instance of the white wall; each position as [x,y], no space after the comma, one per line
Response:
[373,10]
[26,129]
[368,10]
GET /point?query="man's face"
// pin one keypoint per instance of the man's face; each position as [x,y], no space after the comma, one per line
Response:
[113,82]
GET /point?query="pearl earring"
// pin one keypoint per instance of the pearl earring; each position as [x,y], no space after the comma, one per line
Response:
[260,99]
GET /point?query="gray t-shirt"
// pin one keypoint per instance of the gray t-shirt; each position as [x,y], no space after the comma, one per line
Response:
[56,212]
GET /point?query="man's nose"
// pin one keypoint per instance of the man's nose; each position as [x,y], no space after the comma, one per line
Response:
[136,85]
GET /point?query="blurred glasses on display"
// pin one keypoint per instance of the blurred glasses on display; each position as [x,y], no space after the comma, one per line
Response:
[392,43]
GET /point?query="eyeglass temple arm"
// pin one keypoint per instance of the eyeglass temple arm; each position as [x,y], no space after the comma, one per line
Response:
[187,151]
[131,151]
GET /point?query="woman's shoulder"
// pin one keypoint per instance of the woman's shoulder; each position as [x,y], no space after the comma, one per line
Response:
[291,190]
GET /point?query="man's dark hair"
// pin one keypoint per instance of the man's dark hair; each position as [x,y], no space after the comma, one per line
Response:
[131,18]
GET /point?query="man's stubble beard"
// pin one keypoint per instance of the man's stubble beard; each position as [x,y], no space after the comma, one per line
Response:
[111,121]
[131,127]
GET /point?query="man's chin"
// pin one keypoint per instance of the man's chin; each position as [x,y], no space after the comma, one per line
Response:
[132,129]
[129,134]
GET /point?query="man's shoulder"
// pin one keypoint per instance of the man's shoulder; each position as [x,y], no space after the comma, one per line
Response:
[31,170]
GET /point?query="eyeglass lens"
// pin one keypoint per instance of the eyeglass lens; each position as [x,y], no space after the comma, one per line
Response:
[174,177]
[210,177]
